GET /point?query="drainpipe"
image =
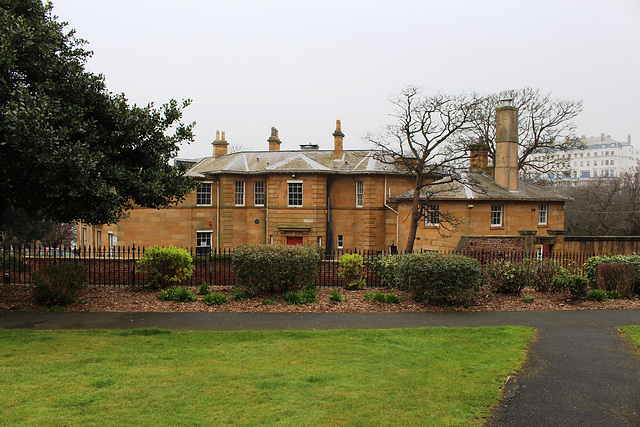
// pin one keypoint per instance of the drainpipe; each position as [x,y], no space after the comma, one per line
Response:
[266,214]
[218,215]
[384,197]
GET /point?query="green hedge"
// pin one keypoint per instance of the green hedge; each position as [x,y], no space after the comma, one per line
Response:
[439,278]
[57,284]
[276,268]
[165,266]
[591,265]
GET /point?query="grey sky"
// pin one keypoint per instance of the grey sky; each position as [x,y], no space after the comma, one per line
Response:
[300,65]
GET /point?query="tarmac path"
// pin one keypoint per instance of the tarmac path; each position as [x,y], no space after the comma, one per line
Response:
[580,371]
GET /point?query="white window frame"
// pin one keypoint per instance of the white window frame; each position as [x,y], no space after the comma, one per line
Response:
[359,194]
[543,214]
[256,193]
[340,241]
[202,194]
[497,215]
[209,233]
[290,194]
[432,215]
[239,193]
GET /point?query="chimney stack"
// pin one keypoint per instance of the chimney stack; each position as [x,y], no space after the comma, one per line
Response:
[219,145]
[337,141]
[602,137]
[274,141]
[629,139]
[506,167]
[479,157]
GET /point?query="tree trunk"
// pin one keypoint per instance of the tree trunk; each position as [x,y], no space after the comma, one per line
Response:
[415,218]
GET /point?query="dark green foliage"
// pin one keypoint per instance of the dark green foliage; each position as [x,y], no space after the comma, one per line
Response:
[57,284]
[613,294]
[507,277]
[544,270]
[269,301]
[351,271]
[214,298]
[276,268]
[305,296]
[238,294]
[574,284]
[597,295]
[528,299]
[385,267]
[12,263]
[77,151]
[386,298]
[439,278]
[178,295]
[165,266]
[204,288]
[336,296]
[369,295]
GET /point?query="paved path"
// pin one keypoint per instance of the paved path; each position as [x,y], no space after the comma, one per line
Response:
[580,370]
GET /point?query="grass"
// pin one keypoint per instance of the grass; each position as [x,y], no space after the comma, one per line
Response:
[428,376]
[633,333]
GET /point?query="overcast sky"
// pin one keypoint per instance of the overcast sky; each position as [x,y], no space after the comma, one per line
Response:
[300,65]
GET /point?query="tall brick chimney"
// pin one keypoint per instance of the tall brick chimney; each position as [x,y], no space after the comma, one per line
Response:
[274,141]
[506,167]
[337,141]
[219,145]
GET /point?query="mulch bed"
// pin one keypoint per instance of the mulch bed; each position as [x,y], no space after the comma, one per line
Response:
[18,298]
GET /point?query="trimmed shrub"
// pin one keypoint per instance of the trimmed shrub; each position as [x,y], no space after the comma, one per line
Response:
[439,278]
[214,298]
[276,268]
[507,277]
[597,295]
[617,276]
[574,284]
[178,295]
[591,265]
[57,284]
[385,267]
[351,271]
[386,298]
[204,289]
[165,266]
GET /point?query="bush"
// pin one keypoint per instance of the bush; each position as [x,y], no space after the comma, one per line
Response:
[238,294]
[386,298]
[592,264]
[613,294]
[351,271]
[214,298]
[385,267]
[336,296]
[57,284]
[276,268]
[12,263]
[574,284]
[617,276]
[507,277]
[528,299]
[597,295]
[439,278]
[165,266]
[305,296]
[369,295]
[544,270]
[177,294]
[204,289]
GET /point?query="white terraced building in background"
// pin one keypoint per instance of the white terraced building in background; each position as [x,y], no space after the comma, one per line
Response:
[599,157]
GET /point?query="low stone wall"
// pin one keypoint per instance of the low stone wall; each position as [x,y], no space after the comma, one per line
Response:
[510,244]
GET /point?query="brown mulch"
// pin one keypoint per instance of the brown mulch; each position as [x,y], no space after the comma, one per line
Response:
[18,298]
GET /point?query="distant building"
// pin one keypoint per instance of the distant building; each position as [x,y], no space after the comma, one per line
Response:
[599,157]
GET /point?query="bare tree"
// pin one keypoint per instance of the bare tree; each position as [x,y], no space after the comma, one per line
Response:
[545,125]
[416,142]
[605,207]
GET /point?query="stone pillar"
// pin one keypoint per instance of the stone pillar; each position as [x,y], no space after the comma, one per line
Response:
[478,157]
[529,240]
[558,240]
[506,166]
[220,145]
[337,141]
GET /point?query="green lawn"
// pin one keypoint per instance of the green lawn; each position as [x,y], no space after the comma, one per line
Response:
[633,333]
[428,376]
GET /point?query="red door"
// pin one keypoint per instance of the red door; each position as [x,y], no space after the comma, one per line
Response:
[294,240]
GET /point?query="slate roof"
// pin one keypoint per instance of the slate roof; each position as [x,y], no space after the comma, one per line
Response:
[480,186]
[311,161]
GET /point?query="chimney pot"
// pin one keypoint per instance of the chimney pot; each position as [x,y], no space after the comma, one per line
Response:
[274,141]
[602,137]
